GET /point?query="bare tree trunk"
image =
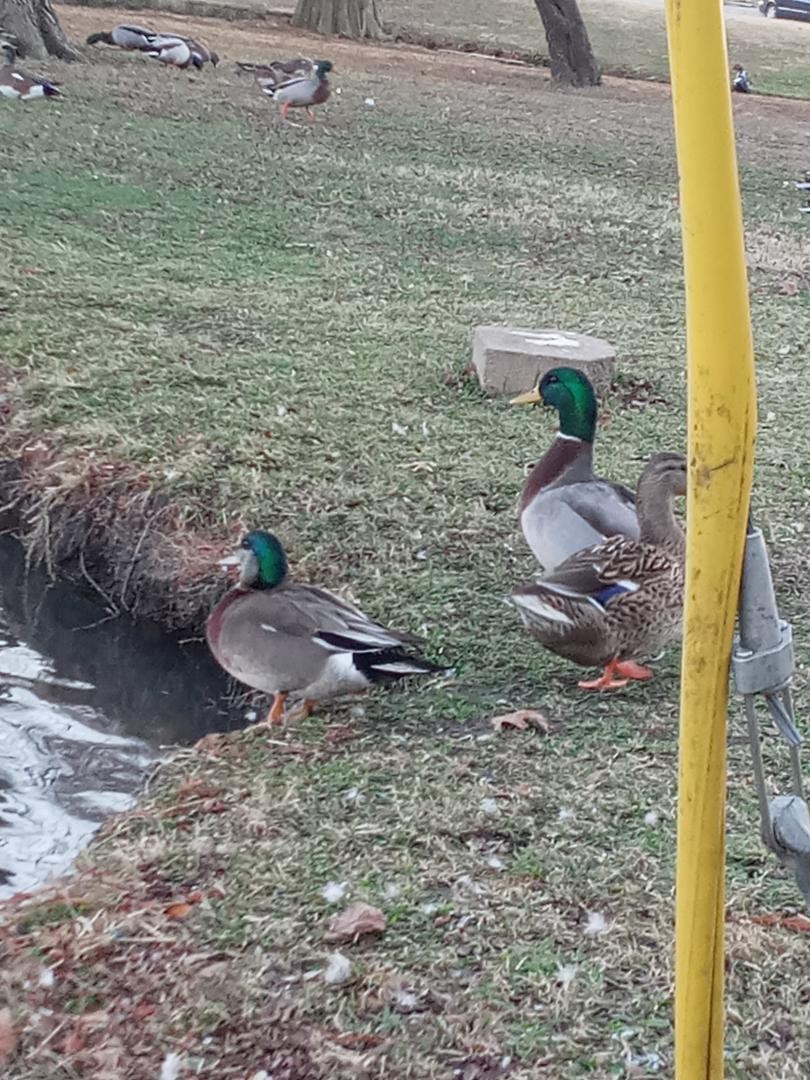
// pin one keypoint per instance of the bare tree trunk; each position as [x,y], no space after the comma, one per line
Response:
[569,49]
[33,27]
[343,18]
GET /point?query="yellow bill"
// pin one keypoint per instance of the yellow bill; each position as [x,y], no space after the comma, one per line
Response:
[531,397]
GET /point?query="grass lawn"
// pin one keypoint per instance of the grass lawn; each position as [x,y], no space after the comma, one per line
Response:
[271,325]
[627,36]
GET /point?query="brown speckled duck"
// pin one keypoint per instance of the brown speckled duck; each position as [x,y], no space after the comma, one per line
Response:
[564,507]
[614,603]
[287,638]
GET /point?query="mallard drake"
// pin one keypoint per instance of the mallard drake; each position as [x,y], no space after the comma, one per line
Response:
[621,599]
[300,92]
[174,51]
[125,36]
[564,507]
[21,85]
[286,638]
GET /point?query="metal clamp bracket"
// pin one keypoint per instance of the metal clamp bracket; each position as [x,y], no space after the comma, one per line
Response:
[762,664]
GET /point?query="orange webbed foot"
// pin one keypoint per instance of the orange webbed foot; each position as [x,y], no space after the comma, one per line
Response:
[606,680]
[276,710]
[629,669]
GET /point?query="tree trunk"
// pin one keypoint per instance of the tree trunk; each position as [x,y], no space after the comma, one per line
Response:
[343,18]
[569,49]
[32,26]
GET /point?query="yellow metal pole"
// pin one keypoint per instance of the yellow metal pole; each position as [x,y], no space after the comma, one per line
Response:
[721,419]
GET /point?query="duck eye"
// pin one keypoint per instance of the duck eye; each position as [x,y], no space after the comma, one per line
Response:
[246,545]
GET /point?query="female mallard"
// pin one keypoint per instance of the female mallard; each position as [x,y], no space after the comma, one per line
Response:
[278,71]
[285,638]
[125,36]
[21,85]
[300,92]
[564,507]
[621,599]
[202,52]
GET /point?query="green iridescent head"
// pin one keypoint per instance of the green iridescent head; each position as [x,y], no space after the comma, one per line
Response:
[571,394]
[262,562]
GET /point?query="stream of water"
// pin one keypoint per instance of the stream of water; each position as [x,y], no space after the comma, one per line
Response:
[86,704]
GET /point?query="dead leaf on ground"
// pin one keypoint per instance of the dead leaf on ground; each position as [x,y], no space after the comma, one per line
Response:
[788,288]
[339,733]
[197,788]
[523,720]
[178,910]
[784,922]
[8,1036]
[213,744]
[356,920]
[73,1042]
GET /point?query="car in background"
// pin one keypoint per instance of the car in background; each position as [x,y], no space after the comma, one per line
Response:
[785,9]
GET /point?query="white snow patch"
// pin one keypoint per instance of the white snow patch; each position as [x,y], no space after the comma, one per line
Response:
[334,891]
[170,1069]
[651,818]
[596,924]
[566,814]
[338,969]
[566,973]
[488,806]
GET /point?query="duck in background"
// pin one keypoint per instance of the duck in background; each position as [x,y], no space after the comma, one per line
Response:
[125,36]
[299,91]
[173,51]
[156,43]
[564,507]
[278,70]
[740,82]
[21,85]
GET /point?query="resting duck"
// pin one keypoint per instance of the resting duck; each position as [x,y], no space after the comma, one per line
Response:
[740,82]
[174,51]
[564,507]
[286,638]
[300,92]
[125,36]
[622,599]
[202,52]
[277,71]
[21,85]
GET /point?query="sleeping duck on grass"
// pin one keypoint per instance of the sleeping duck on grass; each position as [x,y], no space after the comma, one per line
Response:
[21,85]
[125,36]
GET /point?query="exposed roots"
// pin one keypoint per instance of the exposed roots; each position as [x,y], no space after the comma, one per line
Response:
[104,526]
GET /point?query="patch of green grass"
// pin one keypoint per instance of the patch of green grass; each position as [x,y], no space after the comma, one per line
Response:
[274,322]
[47,914]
